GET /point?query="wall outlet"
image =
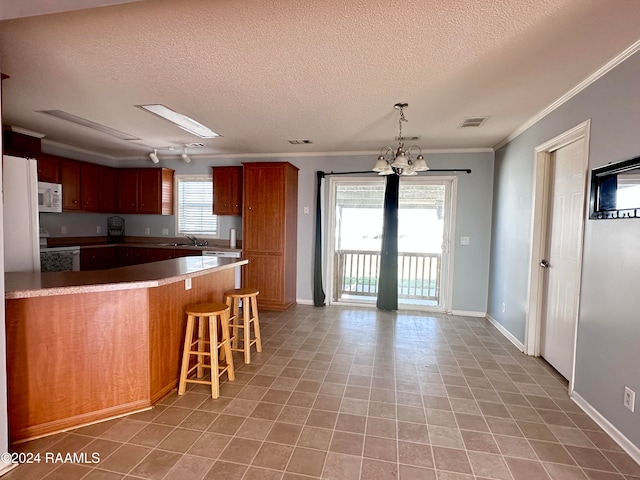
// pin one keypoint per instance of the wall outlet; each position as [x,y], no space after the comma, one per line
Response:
[63,230]
[165,231]
[98,229]
[503,308]
[187,284]
[305,210]
[464,240]
[629,399]
[147,230]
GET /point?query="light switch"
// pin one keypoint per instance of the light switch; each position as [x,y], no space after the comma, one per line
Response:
[165,231]
[464,240]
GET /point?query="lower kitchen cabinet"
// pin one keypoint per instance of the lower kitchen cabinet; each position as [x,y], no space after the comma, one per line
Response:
[132,256]
[159,254]
[272,292]
[183,252]
[97,258]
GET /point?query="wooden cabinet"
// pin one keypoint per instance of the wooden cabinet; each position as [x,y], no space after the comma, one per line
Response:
[128,190]
[227,190]
[20,144]
[107,189]
[89,192]
[159,254]
[184,252]
[145,190]
[48,168]
[97,258]
[155,193]
[127,256]
[269,232]
[70,179]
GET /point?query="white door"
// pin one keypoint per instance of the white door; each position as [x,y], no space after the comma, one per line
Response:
[562,262]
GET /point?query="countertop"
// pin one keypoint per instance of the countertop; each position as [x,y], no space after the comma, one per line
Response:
[141,242]
[36,284]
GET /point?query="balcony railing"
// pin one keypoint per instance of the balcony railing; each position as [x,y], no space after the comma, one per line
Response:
[356,275]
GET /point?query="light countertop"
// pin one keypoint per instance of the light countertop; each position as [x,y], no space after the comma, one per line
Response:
[147,275]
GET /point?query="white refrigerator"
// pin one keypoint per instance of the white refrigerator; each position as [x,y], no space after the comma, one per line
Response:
[20,222]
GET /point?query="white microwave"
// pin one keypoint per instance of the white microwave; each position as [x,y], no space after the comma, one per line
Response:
[49,197]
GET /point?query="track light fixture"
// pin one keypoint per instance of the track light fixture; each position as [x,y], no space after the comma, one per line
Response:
[154,156]
[185,157]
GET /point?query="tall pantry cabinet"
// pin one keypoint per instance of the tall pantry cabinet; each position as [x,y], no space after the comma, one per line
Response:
[269,232]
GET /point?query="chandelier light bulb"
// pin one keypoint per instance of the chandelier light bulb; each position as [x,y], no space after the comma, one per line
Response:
[400,161]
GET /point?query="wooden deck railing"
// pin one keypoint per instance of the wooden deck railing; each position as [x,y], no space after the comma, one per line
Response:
[356,275]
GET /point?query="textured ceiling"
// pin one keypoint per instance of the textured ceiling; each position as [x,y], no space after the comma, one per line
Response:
[262,72]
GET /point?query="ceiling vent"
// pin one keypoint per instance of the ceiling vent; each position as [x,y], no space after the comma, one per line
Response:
[407,139]
[473,122]
[195,145]
[300,142]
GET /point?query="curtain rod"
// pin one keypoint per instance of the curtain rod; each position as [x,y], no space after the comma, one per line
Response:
[468,170]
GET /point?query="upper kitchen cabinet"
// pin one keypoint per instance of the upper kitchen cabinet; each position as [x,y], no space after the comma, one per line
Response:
[20,144]
[155,191]
[107,189]
[269,232]
[145,190]
[70,172]
[48,168]
[89,187]
[128,190]
[227,190]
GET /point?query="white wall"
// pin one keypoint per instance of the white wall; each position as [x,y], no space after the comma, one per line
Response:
[608,324]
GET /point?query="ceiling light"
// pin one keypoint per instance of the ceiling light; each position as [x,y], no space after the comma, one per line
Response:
[154,156]
[182,121]
[88,123]
[185,157]
[400,161]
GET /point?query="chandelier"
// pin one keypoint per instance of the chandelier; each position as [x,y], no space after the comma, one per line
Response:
[400,161]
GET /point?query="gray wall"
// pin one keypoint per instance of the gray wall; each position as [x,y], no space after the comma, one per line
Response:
[609,324]
[471,267]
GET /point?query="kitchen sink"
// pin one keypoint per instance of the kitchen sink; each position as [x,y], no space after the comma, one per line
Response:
[181,245]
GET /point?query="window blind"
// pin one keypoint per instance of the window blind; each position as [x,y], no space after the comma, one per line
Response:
[195,205]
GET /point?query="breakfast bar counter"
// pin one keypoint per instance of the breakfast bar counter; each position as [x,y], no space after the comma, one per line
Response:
[87,346]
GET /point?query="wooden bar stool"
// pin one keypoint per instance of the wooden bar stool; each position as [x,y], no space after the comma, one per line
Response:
[214,311]
[248,297]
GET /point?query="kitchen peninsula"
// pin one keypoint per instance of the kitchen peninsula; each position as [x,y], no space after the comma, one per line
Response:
[87,346]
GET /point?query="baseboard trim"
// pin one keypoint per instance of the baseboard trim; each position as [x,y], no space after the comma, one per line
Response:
[304,301]
[509,336]
[7,468]
[613,432]
[468,313]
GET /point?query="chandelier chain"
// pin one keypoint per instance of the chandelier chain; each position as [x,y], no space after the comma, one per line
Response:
[402,119]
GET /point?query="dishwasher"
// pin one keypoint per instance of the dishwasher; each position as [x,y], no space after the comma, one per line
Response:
[226,254]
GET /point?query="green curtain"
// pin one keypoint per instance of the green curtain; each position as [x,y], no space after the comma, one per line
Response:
[388,278]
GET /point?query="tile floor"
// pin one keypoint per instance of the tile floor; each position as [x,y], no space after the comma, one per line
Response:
[347,393]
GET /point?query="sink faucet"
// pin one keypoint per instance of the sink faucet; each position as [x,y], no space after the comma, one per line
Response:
[195,241]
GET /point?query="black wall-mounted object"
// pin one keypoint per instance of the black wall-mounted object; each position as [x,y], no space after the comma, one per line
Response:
[615,190]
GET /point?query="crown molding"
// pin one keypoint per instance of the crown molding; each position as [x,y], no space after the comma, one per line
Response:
[602,71]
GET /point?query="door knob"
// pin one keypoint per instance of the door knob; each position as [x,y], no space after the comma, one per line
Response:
[544,264]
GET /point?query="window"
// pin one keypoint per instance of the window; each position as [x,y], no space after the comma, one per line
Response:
[194,207]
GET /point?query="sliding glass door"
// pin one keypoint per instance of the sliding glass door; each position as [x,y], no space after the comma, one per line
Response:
[356,237]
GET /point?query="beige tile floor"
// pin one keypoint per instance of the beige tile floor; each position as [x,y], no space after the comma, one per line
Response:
[348,393]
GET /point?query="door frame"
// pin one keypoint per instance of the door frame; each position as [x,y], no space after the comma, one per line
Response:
[446,273]
[540,233]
